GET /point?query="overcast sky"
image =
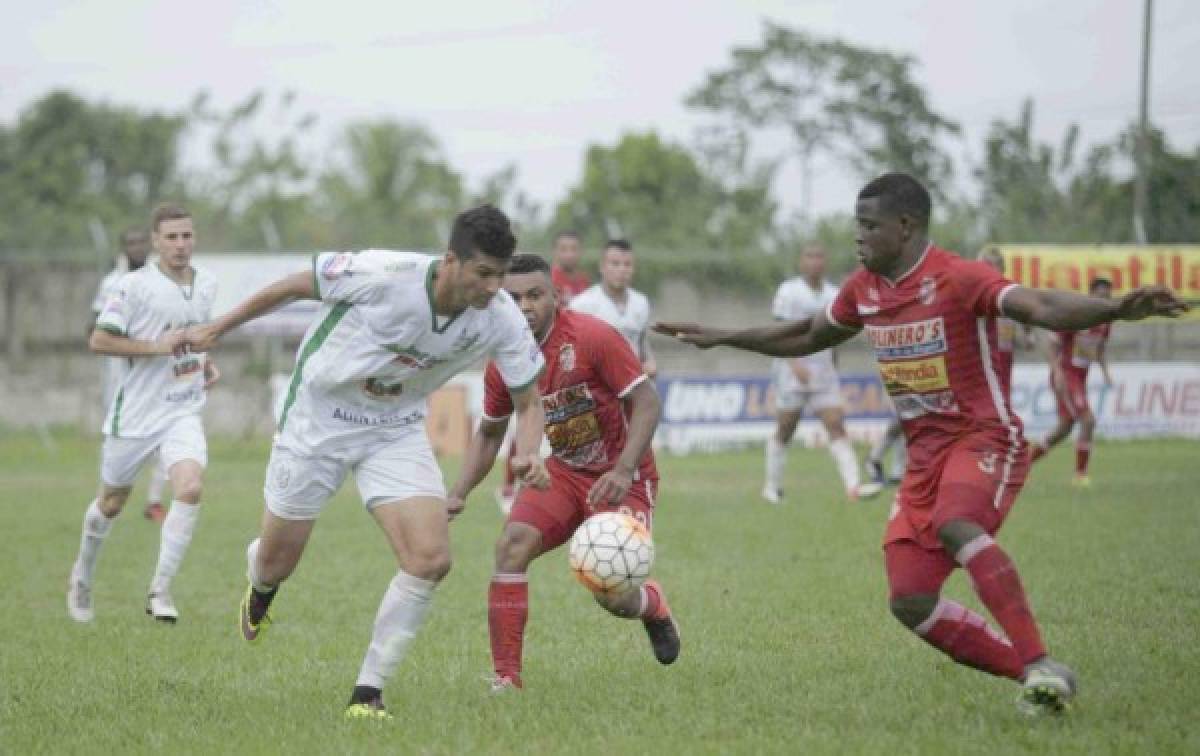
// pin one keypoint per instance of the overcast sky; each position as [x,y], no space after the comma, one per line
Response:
[536,82]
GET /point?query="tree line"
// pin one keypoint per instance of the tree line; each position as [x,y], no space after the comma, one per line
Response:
[73,172]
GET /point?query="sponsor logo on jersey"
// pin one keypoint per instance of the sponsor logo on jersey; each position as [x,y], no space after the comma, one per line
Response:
[572,428]
[987,462]
[568,402]
[918,339]
[566,357]
[910,406]
[381,389]
[868,309]
[411,357]
[354,417]
[928,290]
[336,266]
[915,376]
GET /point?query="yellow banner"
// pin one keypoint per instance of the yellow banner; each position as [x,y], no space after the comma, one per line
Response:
[1073,266]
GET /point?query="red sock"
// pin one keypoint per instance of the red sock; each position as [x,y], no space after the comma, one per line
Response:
[508,609]
[1082,452]
[966,638]
[654,605]
[999,588]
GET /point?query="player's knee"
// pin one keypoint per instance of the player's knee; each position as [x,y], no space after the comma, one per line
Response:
[912,610]
[955,534]
[189,489]
[515,550]
[625,605]
[112,500]
[431,563]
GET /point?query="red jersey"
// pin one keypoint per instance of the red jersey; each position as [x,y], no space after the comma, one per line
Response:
[590,368]
[934,332]
[1006,341]
[568,285]
[1079,349]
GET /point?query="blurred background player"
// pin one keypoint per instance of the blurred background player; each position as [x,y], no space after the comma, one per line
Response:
[931,319]
[393,328]
[569,280]
[616,302]
[601,413]
[809,383]
[892,439]
[157,406]
[1071,354]
[135,248]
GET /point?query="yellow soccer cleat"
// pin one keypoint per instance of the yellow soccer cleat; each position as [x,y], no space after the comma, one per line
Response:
[372,710]
[251,630]
[1081,481]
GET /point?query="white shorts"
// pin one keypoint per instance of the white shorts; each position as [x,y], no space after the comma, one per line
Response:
[299,484]
[122,458]
[791,395]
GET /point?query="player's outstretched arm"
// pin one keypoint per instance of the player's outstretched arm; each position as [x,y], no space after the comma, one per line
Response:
[117,345]
[645,407]
[296,286]
[1067,311]
[481,455]
[531,426]
[794,338]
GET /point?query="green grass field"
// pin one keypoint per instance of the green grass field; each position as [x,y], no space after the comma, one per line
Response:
[788,644]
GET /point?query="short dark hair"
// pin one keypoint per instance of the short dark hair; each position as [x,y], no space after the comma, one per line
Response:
[525,263]
[619,244]
[900,194]
[134,232]
[166,211]
[1099,281]
[482,230]
[568,234]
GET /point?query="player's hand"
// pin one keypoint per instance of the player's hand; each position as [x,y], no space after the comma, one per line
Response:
[173,343]
[202,338]
[1148,301]
[455,506]
[211,374]
[611,487]
[690,333]
[531,471]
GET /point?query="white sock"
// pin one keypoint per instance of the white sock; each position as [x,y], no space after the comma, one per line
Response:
[401,614]
[847,464]
[177,531]
[158,479]
[776,457]
[252,569]
[95,530]
[899,460]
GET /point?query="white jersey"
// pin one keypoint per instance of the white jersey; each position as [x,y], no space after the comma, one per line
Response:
[114,367]
[632,319]
[154,391]
[377,350]
[797,300]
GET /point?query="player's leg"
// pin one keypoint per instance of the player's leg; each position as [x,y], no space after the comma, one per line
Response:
[402,486]
[647,602]
[915,578]
[842,450]
[1065,409]
[1083,445]
[184,452]
[788,412]
[506,494]
[120,459]
[540,521]
[154,491]
[879,449]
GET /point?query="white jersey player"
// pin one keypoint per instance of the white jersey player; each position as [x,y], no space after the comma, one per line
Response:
[809,383]
[617,303]
[135,248]
[394,327]
[156,408]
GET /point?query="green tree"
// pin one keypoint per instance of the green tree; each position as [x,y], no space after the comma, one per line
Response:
[830,98]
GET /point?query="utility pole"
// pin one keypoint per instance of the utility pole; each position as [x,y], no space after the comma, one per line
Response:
[1142,159]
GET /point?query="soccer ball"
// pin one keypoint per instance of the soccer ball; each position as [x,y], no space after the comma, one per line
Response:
[611,552]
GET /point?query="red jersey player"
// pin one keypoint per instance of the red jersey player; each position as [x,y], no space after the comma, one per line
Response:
[601,460]
[1070,354]
[568,279]
[931,318]
[1007,329]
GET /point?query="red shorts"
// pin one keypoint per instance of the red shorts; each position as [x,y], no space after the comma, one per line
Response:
[558,510]
[975,478]
[1072,398]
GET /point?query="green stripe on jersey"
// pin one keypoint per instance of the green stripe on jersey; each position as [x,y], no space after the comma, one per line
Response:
[116,423]
[318,338]
[316,282]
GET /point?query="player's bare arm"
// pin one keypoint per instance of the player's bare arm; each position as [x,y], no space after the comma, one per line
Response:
[116,345]
[649,363]
[795,338]
[1067,311]
[531,420]
[481,455]
[288,289]
[645,409]
[1103,360]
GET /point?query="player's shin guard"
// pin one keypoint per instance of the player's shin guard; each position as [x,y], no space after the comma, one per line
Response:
[999,588]
[1083,451]
[177,530]
[158,481]
[95,529]
[508,611]
[965,637]
[843,454]
[401,614]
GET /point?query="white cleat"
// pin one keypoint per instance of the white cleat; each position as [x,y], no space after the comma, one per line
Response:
[161,607]
[772,495]
[79,599]
[863,491]
[1049,688]
[505,497]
